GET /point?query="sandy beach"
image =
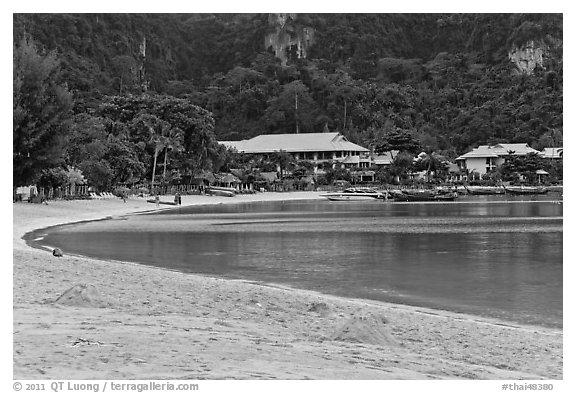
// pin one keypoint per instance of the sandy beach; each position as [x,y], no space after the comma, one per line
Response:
[137,322]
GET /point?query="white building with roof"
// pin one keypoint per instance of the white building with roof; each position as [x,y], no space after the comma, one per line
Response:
[553,153]
[485,158]
[314,147]
[385,158]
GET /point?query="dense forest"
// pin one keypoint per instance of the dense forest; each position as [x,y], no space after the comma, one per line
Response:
[111,94]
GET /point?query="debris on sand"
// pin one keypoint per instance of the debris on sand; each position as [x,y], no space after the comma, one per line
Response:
[85,342]
[365,329]
[57,252]
[319,308]
[82,295]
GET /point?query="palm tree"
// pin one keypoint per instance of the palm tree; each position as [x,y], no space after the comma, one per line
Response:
[401,165]
[282,159]
[171,141]
[433,162]
[155,128]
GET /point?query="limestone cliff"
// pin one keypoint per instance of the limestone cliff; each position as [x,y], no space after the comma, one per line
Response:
[141,68]
[289,39]
[528,56]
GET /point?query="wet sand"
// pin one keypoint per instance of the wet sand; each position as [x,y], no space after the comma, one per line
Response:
[127,321]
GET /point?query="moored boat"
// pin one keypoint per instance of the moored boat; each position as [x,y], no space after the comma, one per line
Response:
[422,196]
[484,190]
[221,191]
[355,194]
[525,190]
[162,202]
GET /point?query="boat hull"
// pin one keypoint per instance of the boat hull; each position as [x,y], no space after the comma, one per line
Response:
[422,197]
[526,190]
[221,191]
[485,191]
[342,197]
[355,194]
[162,202]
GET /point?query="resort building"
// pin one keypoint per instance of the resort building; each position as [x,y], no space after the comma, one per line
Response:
[485,158]
[386,158]
[317,148]
[553,153]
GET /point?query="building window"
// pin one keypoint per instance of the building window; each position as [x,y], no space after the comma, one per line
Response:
[489,164]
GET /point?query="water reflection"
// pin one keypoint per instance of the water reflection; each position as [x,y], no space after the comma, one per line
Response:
[491,258]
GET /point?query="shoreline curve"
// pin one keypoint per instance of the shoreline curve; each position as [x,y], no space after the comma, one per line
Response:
[322,336]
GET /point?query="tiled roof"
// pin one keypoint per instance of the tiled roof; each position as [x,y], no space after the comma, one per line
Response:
[269,176]
[519,149]
[351,160]
[385,158]
[207,176]
[233,144]
[479,152]
[227,178]
[552,152]
[292,143]
[500,150]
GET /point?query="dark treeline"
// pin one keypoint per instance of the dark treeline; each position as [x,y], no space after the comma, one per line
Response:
[444,79]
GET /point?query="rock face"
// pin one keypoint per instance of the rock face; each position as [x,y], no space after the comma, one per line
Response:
[289,40]
[141,68]
[528,57]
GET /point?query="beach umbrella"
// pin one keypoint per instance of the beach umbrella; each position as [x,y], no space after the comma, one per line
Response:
[541,173]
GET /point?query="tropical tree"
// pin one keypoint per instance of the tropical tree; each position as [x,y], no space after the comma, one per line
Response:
[432,162]
[282,159]
[303,169]
[333,174]
[124,158]
[164,123]
[99,173]
[41,112]
[401,165]
[53,177]
[526,166]
[104,153]
[156,129]
[292,111]
[171,141]
[344,90]
[398,139]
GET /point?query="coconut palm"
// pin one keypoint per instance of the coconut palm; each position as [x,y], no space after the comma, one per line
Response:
[156,129]
[173,140]
[282,159]
[433,162]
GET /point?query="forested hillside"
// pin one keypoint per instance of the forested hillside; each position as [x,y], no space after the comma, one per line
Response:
[446,80]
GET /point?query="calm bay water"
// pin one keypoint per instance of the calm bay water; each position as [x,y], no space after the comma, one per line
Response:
[482,255]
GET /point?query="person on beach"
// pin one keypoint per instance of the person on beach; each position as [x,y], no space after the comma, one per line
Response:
[157,200]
